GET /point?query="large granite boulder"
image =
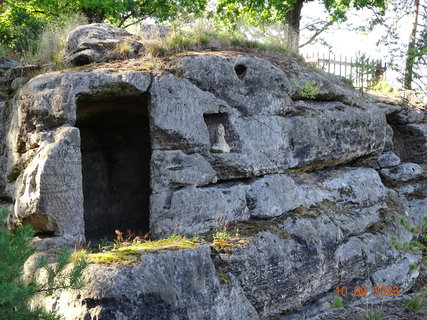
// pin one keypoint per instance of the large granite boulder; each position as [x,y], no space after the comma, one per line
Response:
[100,42]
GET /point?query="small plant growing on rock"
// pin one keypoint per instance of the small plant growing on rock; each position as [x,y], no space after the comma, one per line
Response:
[221,235]
[337,302]
[412,266]
[309,90]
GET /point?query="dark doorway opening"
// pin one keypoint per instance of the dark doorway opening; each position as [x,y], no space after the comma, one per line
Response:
[116,153]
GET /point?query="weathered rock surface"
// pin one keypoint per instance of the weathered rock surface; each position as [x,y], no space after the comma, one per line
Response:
[402,173]
[164,285]
[196,210]
[191,209]
[411,142]
[175,169]
[281,269]
[385,307]
[178,118]
[229,142]
[49,194]
[100,42]
[388,159]
[223,75]
[6,64]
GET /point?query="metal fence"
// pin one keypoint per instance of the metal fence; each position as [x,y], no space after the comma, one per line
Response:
[362,71]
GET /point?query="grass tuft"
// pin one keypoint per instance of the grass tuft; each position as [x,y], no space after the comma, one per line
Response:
[415,303]
[371,315]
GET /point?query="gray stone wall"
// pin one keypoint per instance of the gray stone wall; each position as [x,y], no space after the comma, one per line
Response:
[232,141]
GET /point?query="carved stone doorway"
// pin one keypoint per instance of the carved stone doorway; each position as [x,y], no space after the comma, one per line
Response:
[116,153]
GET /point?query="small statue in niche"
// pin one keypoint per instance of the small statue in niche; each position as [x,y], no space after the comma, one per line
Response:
[220,145]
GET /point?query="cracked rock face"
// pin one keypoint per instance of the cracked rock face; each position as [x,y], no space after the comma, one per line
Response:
[86,152]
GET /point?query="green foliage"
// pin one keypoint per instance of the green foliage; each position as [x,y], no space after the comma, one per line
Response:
[309,90]
[412,266]
[348,81]
[382,86]
[387,220]
[276,10]
[21,22]
[418,244]
[365,67]
[15,292]
[415,303]
[338,302]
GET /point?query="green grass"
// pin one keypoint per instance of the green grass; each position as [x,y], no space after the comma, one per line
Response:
[371,315]
[129,253]
[412,266]
[415,303]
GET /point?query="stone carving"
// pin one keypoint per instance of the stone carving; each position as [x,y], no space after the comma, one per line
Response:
[220,146]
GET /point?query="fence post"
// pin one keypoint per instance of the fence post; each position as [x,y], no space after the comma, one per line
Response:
[345,67]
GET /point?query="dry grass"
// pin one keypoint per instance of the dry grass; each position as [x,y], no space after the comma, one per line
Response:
[52,41]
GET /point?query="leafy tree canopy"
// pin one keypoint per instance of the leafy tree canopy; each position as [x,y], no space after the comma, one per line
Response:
[20,19]
[276,10]
[286,11]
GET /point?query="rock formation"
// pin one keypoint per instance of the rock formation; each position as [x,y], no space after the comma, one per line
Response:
[313,185]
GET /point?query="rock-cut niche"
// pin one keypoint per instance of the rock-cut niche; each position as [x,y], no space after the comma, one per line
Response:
[116,152]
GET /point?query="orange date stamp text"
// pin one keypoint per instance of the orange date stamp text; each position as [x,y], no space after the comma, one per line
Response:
[362,291]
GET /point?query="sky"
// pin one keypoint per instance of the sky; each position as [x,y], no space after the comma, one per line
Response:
[346,42]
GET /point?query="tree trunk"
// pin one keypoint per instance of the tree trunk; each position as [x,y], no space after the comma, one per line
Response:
[410,58]
[293,18]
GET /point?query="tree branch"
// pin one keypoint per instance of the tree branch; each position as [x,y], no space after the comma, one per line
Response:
[138,20]
[326,26]
[124,19]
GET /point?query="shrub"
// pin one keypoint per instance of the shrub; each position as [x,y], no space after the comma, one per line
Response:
[16,293]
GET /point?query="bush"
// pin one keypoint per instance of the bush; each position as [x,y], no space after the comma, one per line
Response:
[16,294]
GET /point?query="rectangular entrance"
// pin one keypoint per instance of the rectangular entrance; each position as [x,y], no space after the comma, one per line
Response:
[116,153]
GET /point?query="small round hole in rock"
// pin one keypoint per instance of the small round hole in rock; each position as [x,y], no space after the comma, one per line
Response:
[240,70]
